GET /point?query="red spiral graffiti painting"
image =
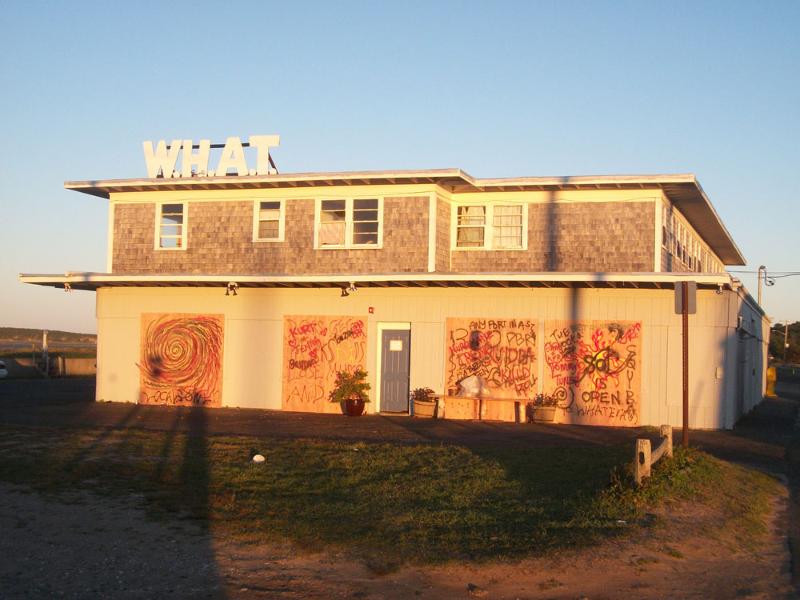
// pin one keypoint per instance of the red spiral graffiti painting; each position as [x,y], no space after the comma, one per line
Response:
[181,359]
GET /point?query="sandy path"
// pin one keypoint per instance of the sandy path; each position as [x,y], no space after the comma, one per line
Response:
[82,545]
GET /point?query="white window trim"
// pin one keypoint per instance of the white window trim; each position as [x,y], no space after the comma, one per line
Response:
[184,228]
[281,220]
[348,228]
[488,231]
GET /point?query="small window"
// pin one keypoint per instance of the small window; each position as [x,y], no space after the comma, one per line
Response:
[268,221]
[490,226]
[365,222]
[349,223]
[171,227]
[332,222]
[507,223]
[471,226]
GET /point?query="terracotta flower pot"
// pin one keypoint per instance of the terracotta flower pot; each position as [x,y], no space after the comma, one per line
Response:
[354,407]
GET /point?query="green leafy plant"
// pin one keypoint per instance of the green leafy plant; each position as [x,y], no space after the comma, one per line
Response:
[422,394]
[350,385]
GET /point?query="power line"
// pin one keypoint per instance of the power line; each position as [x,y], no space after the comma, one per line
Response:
[771,273]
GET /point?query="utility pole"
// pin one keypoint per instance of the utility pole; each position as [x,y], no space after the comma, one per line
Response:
[762,275]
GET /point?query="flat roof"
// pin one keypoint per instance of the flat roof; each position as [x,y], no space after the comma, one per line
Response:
[683,190]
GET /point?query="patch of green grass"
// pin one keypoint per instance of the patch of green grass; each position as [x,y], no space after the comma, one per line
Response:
[389,502]
[673,552]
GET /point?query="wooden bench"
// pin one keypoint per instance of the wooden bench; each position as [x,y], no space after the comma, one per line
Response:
[519,405]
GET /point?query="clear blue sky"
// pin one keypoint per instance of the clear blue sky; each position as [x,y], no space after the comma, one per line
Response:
[498,89]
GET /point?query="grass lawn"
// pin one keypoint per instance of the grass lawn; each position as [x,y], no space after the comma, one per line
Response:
[398,503]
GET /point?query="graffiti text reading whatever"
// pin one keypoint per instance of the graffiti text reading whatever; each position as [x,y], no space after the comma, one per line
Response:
[593,371]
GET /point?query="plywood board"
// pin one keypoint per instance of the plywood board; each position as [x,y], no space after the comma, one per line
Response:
[594,370]
[315,348]
[502,352]
[181,359]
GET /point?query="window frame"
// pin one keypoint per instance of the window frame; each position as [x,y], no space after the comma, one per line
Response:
[488,226]
[281,219]
[349,229]
[159,211]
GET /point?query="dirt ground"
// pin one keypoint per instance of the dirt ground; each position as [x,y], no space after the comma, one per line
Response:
[80,545]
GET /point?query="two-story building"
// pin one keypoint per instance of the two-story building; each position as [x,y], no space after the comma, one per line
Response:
[253,290]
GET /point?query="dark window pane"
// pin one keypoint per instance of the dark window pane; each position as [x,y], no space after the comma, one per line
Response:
[333,205]
[365,215]
[371,203]
[369,227]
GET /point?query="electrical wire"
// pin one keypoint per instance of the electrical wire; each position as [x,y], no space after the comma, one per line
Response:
[770,273]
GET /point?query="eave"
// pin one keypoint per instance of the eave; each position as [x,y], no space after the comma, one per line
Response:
[94,281]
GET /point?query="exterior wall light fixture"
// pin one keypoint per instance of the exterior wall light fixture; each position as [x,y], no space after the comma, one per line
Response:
[232,288]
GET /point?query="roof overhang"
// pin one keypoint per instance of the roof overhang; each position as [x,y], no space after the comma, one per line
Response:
[684,191]
[94,281]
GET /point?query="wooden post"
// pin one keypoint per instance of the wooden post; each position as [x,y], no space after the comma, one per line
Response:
[641,467]
[666,434]
[685,318]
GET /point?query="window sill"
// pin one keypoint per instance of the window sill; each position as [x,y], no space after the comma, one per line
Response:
[476,249]
[361,247]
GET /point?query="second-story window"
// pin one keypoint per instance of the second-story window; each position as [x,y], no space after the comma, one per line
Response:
[471,226]
[507,223]
[171,226]
[349,223]
[490,226]
[269,221]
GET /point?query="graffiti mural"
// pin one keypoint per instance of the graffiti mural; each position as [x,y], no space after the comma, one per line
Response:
[593,368]
[315,348]
[181,359]
[500,351]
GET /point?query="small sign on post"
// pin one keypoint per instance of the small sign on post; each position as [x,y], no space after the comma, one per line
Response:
[691,289]
[685,304]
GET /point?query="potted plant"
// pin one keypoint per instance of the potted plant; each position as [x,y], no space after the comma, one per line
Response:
[351,392]
[424,403]
[542,409]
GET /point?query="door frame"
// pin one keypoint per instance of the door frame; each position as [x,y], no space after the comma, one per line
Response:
[382,326]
